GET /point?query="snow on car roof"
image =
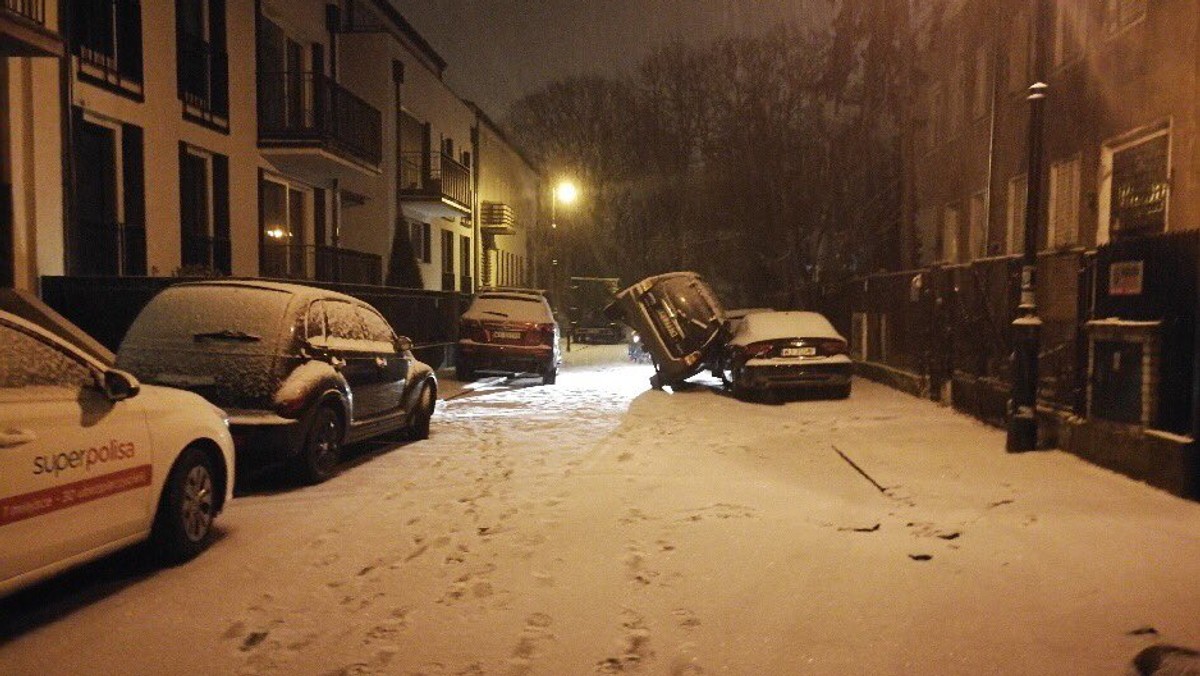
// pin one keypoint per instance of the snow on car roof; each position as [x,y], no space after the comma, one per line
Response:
[295,289]
[776,325]
[510,306]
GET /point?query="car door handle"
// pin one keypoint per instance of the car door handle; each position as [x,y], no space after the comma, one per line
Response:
[381,362]
[337,363]
[12,437]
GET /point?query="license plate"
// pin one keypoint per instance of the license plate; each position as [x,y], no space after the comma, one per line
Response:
[507,335]
[798,351]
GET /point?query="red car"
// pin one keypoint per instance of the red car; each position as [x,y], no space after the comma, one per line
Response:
[508,330]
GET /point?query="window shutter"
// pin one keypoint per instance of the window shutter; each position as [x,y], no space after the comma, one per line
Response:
[133,176]
[222,250]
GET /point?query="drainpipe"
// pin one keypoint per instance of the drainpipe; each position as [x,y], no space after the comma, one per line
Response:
[66,99]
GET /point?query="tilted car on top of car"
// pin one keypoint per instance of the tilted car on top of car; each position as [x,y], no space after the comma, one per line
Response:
[92,461]
[508,330]
[301,371]
[679,320]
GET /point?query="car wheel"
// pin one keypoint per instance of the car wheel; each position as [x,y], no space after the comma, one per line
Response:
[842,391]
[550,375]
[463,372]
[183,525]
[737,383]
[419,427]
[319,457]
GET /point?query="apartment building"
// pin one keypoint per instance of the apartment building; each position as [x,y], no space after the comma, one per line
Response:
[1120,133]
[508,185]
[302,139]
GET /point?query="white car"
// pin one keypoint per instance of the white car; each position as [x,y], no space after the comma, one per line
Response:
[91,461]
[786,350]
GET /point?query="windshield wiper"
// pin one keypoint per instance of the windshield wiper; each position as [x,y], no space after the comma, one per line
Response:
[226,334]
[493,312]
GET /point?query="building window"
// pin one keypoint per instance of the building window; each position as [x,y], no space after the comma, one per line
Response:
[107,36]
[956,98]
[936,116]
[464,263]
[1064,204]
[977,225]
[949,234]
[1135,194]
[1018,52]
[203,65]
[1018,186]
[982,94]
[1070,28]
[204,210]
[448,261]
[286,249]
[420,234]
[1120,14]
[107,236]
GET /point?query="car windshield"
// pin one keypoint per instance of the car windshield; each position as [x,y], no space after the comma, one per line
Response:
[510,307]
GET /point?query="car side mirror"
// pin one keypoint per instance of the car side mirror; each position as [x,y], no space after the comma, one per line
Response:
[119,385]
[403,343]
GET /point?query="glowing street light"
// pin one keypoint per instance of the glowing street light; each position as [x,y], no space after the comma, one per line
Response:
[564,192]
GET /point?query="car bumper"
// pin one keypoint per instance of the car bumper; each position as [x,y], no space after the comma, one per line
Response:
[605,336]
[508,358]
[765,376]
[264,438]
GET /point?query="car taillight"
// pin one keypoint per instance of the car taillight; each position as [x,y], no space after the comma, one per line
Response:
[471,329]
[546,333]
[830,348]
[757,350]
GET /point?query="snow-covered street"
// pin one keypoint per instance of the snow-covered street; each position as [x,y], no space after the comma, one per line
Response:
[598,526]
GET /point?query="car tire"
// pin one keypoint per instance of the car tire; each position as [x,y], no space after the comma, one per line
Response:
[550,375]
[183,524]
[418,429]
[737,384]
[841,391]
[318,458]
[463,372]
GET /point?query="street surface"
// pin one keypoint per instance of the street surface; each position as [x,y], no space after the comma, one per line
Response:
[597,526]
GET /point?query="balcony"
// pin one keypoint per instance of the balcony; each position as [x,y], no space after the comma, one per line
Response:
[315,128]
[25,31]
[435,184]
[320,264]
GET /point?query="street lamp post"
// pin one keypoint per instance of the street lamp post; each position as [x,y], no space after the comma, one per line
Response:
[564,192]
[1022,415]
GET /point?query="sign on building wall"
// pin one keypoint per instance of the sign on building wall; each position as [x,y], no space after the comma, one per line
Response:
[1140,188]
[1125,278]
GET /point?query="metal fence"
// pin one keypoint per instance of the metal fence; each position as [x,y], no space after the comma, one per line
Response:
[105,307]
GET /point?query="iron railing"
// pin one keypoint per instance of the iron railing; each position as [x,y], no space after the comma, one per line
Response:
[434,175]
[108,38]
[109,248]
[298,108]
[203,76]
[33,10]
[320,263]
[202,253]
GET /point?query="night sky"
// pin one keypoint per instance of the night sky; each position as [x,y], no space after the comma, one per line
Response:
[498,50]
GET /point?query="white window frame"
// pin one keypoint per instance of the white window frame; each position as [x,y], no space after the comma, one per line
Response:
[1018,191]
[207,158]
[949,249]
[118,158]
[1062,212]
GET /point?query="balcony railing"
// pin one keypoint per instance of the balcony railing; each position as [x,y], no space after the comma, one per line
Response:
[320,263]
[107,249]
[33,10]
[298,108]
[210,255]
[434,175]
[203,76]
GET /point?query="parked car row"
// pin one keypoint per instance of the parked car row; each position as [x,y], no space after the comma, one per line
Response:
[211,378]
[681,324]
